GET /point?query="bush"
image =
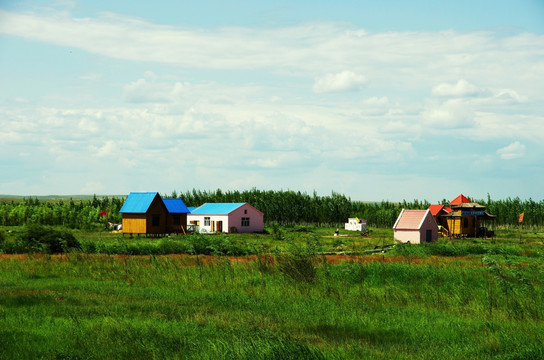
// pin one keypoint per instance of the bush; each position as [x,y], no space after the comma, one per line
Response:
[38,238]
[300,263]
[218,245]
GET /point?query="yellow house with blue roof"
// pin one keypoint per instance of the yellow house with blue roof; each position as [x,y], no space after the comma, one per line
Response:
[144,213]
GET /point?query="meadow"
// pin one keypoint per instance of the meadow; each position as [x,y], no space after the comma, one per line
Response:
[288,294]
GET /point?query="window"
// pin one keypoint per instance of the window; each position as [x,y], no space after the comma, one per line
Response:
[177,220]
[245,221]
[245,211]
[156,220]
[206,221]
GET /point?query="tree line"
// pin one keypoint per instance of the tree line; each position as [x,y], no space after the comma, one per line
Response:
[285,207]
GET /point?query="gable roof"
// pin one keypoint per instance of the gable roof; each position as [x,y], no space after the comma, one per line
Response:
[175,206]
[411,219]
[216,208]
[138,202]
[435,209]
[459,200]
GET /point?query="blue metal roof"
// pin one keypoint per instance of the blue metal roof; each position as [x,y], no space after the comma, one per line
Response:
[138,202]
[175,206]
[216,208]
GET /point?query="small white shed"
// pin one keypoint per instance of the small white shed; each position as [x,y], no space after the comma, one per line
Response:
[415,227]
[355,224]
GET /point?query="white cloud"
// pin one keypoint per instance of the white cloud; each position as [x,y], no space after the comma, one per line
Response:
[513,151]
[251,102]
[460,89]
[451,114]
[343,81]
[508,96]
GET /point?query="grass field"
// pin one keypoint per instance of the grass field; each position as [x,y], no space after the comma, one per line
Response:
[464,299]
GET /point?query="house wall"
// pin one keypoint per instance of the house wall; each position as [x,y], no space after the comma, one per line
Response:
[176,228]
[214,219]
[134,223]
[405,235]
[428,224]
[156,208]
[256,221]
[463,225]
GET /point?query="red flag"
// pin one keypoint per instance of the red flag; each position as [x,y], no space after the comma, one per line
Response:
[103,213]
[520,218]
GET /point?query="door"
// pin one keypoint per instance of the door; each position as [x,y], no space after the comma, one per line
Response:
[213,226]
[429,236]
[220,226]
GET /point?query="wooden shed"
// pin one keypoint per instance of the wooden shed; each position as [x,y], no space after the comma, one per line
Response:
[415,227]
[176,221]
[144,213]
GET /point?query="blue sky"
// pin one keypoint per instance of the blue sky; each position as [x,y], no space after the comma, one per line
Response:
[377,100]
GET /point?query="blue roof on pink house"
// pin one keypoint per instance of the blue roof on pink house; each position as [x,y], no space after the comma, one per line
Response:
[216,208]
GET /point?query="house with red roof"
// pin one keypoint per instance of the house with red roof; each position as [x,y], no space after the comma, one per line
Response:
[462,218]
[439,211]
[415,227]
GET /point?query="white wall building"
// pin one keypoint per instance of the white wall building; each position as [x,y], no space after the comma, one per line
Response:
[355,224]
[226,217]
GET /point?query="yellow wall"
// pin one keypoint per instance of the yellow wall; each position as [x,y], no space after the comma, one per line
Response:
[134,223]
[463,225]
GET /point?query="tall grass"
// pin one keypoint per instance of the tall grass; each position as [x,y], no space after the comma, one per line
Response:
[102,307]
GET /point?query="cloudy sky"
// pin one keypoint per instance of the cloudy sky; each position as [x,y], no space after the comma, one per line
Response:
[379,100]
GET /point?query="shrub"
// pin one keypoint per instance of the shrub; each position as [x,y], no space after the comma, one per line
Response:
[277,231]
[300,263]
[38,238]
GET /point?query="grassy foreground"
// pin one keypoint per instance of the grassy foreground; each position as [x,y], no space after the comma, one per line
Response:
[296,306]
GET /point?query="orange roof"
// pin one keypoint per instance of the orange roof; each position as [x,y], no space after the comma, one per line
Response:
[459,200]
[435,209]
[410,219]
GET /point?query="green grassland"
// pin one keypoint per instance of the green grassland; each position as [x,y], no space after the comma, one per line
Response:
[276,296]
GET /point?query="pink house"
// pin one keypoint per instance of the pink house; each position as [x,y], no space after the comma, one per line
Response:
[226,217]
[415,227]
